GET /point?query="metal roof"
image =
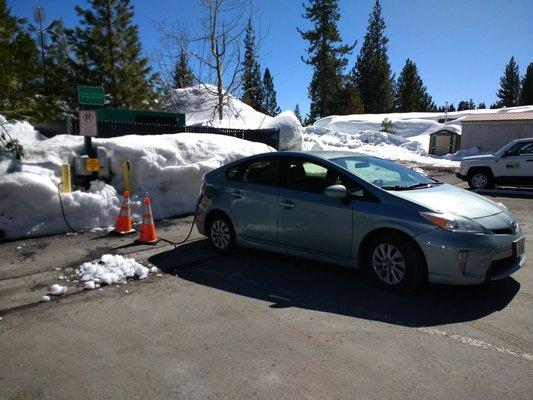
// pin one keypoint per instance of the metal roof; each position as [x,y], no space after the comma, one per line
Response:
[501,116]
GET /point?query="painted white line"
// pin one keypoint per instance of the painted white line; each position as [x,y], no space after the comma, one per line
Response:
[477,343]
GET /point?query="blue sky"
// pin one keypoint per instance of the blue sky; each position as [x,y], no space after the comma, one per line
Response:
[460,46]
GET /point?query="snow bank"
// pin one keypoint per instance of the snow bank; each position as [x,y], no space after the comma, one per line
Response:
[408,139]
[167,167]
[21,130]
[108,270]
[290,130]
[199,102]
[199,105]
[375,143]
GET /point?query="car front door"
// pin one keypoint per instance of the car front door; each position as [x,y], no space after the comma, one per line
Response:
[252,193]
[518,161]
[308,219]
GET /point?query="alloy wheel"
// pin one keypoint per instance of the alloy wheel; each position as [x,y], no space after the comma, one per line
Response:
[388,264]
[479,180]
[220,234]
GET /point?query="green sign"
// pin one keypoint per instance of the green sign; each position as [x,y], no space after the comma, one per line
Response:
[91,95]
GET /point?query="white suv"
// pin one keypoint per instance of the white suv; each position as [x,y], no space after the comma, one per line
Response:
[512,164]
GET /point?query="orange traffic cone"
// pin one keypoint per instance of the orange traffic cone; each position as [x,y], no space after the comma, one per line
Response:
[124,220]
[148,235]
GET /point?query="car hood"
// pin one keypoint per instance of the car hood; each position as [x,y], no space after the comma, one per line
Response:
[448,198]
[485,157]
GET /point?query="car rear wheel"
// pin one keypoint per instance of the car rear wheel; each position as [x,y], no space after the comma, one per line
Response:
[396,262]
[480,180]
[221,233]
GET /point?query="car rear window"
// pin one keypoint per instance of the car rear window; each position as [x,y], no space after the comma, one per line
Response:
[260,172]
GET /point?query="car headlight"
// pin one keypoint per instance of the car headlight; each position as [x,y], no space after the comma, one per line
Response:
[453,223]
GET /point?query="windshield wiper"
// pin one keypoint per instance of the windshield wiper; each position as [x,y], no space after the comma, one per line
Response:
[416,185]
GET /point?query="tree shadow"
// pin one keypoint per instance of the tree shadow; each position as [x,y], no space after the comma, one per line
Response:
[286,281]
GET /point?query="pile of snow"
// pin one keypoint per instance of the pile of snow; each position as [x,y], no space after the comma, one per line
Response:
[407,138]
[290,130]
[57,289]
[199,103]
[167,167]
[21,130]
[110,269]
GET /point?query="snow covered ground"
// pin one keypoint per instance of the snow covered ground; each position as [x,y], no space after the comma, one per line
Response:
[167,167]
[409,140]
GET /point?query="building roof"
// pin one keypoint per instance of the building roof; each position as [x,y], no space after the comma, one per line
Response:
[500,116]
[446,130]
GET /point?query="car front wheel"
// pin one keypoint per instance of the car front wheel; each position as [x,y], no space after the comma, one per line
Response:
[480,180]
[221,233]
[396,262]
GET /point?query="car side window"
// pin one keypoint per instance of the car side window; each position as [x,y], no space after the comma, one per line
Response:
[260,172]
[308,176]
[521,149]
[526,149]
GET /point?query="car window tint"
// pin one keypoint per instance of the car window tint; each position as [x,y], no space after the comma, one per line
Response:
[311,177]
[263,172]
[232,173]
[527,148]
[374,173]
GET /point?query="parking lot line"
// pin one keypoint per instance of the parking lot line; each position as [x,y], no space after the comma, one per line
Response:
[477,343]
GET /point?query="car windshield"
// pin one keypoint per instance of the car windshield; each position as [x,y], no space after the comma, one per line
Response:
[385,174]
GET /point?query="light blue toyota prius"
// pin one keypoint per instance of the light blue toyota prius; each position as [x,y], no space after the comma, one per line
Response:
[363,212]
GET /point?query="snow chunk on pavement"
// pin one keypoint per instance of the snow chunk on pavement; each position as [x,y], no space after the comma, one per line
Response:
[45,298]
[110,269]
[57,289]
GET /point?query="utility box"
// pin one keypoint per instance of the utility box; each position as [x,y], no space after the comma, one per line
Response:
[87,169]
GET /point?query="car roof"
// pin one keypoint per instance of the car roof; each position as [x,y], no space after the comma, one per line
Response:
[522,140]
[327,155]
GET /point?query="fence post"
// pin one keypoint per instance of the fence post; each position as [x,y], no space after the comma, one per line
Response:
[66,185]
[126,171]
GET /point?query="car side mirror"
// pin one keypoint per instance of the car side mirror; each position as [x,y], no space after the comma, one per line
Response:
[336,192]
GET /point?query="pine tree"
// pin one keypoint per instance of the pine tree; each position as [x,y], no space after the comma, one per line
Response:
[182,72]
[19,67]
[270,105]
[526,92]
[410,93]
[372,71]
[466,105]
[109,53]
[297,113]
[451,108]
[509,85]
[494,106]
[349,101]
[481,106]
[63,71]
[252,87]
[327,57]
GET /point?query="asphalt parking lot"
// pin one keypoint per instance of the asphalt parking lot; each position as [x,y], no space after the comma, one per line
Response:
[255,325]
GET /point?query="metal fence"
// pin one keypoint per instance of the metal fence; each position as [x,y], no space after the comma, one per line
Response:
[111,129]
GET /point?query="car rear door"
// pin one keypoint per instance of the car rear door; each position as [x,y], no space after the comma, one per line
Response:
[308,220]
[252,195]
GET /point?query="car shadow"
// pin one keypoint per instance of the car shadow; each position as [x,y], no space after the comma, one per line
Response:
[285,281]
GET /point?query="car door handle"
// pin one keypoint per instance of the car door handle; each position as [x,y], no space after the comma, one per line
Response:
[236,194]
[287,204]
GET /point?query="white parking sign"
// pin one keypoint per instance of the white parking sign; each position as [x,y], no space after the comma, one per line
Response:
[88,125]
